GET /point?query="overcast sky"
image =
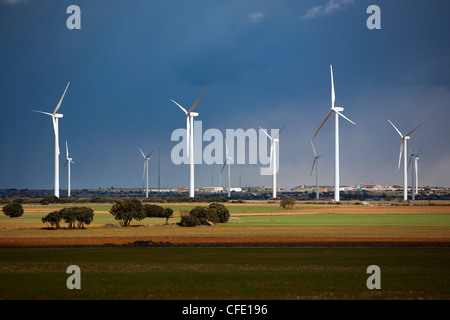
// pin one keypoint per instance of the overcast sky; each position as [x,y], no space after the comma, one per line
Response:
[263,62]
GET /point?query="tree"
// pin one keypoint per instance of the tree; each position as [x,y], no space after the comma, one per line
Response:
[155,211]
[53,218]
[287,202]
[205,215]
[127,209]
[168,213]
[68,216]
[83,215]
[13,210]
[222,212]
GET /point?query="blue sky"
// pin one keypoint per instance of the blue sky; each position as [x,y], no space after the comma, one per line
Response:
[263,63]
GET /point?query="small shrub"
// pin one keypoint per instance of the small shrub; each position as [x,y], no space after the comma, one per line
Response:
[287,202]
[189,221]
[50,199]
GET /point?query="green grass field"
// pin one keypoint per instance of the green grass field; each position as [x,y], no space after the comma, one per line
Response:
[437,220]
[225,273]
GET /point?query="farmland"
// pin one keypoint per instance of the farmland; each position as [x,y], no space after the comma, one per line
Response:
[262,252]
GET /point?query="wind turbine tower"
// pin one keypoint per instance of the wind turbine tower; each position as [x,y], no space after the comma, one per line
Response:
[273,158]
[316,164]
[337,112]
[227,161]
[146,160]
[190,140]
[68,162]
[403,148]
[55,116]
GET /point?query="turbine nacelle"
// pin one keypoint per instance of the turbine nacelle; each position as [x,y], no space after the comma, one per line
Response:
[339,109]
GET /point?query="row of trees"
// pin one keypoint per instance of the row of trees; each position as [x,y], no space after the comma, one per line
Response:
[75,217]
[125,210]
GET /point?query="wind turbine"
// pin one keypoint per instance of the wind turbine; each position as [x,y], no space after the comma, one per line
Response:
[227,160]
[55,116]
[146,160]
[190,139]
[316,163]
[403,148]
[273,162]
[337,112]
[415,173]
[68,162]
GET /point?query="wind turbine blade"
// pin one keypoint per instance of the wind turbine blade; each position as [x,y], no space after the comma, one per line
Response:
[344,117]
[65,163]
[333,96]
[312,169]
[179,106]
[142,153]
[47,113]
[396,128]
[266,133]
[400,156]
[147,157]
[60,101]
[413,130]
[279,132]
[417,154]
[314,150]
[226,149]
[409,161]
[326,118]
[67,150]
[195,103]
[271,154]
[224,164]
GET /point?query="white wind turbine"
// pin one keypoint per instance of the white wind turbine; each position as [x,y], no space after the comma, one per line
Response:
[403,148]
[273,160]
[316,164]
[68,162]
[415,173]
[227,160]
[146,160]
[337,113]
[55,116]
[190,140]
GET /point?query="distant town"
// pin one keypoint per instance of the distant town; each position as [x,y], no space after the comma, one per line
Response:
[368,192]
